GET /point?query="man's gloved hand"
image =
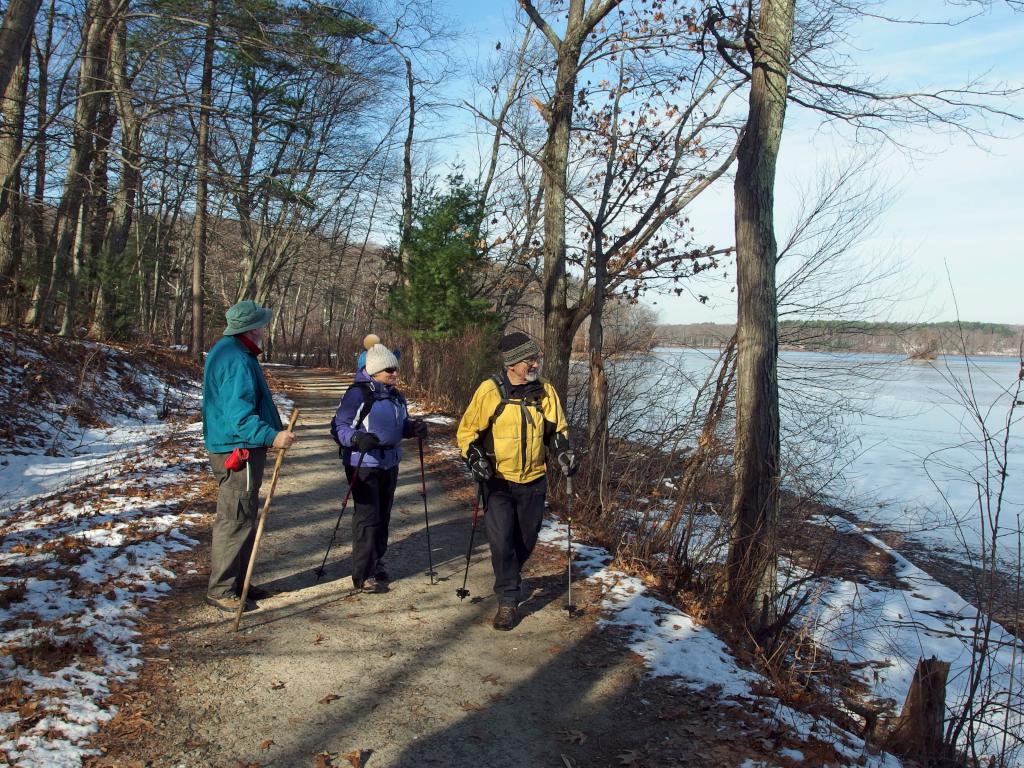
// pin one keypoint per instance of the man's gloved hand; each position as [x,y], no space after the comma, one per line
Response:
[365,441]
[478,463]
[564,455]
[568,463]
[419,428]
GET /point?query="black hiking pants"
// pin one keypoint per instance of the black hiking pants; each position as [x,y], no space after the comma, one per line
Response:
[373,493]
[513,519]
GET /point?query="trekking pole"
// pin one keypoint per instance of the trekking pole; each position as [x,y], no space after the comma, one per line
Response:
[426,517]
[344,504]
[568,536]
[259,526]
[463,593]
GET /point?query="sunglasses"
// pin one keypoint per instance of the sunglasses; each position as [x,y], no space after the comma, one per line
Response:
[390,370]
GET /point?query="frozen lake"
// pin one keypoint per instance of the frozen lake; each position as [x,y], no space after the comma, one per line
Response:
[911,455]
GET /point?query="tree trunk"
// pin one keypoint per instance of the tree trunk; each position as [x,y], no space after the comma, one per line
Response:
[105,279]
[558,348]
[750,566]
[597,400]
[123,209]
[198,342]
[35,313]
[407,175]
[11,138]
[15,31]
[917,732]
[79,161]
[558,316]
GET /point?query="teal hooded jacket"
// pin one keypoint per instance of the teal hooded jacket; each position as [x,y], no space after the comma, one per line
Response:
[238,410]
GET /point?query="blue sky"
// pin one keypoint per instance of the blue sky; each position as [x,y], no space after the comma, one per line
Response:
[958,216]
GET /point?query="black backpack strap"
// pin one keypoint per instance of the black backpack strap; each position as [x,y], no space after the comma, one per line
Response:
[499,382]
[368,398]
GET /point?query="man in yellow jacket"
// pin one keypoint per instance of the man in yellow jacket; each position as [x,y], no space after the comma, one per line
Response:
[513,424]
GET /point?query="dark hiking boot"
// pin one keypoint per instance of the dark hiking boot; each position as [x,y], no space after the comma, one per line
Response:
[229,603]
[374,586]
[256,592]
[505,618]
[381,574]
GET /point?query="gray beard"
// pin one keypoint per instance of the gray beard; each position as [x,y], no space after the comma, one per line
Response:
[532,376]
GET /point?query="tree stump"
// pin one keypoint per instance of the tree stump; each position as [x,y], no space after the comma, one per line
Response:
[918,731]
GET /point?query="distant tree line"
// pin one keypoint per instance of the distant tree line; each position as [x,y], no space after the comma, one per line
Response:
[911,339]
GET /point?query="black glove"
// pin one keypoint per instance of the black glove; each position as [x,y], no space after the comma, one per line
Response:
[365,441]
[478,463]
[564,454]
[568,463]
[419,428]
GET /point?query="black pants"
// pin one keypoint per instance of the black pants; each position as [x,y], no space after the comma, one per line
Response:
[373,493]
[514,515]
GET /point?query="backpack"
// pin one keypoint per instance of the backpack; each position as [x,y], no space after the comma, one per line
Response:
[535,402]
[369,398]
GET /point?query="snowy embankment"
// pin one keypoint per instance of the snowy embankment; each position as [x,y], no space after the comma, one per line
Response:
[674,645]
[881,629]
[884,630]
[95,489]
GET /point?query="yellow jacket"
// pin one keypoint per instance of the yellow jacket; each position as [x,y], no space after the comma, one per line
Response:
[515,443]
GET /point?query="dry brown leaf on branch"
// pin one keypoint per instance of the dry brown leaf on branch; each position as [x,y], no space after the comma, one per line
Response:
[629,758]
[329,698]
[573,737]
[266,744]
[355,758]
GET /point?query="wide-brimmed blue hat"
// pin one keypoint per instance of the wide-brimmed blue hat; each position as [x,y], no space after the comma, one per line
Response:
[246,316]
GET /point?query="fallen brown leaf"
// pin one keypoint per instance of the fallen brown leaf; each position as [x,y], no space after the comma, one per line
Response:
[573,737]
[329,698]
[629,757]
[318,639]
[277,685]
[266,744]
[355,758]
[469,706]
[492,679]
[323,760]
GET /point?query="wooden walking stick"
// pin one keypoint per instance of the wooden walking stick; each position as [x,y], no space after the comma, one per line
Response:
[263,519]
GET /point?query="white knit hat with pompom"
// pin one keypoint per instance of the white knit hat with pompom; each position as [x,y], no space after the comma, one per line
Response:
[378,358]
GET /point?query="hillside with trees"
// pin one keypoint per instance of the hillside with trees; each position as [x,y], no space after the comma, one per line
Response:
[908,339]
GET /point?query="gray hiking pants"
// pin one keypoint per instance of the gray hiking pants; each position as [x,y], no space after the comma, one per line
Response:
[234,528]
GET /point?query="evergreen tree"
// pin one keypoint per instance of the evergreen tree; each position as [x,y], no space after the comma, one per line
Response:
[437,299]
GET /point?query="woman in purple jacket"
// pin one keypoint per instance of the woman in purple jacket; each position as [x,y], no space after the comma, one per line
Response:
[371,421]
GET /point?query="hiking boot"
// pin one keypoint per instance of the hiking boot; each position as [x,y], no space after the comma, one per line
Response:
[255,592]
[505,618]
[229,603]
[381,574]
[374,586]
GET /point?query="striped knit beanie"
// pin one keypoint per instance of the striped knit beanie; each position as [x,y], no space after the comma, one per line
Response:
[516,347]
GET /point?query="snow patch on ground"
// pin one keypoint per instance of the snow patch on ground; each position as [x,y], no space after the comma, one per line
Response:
[893,627]
[674,645]
[84,538]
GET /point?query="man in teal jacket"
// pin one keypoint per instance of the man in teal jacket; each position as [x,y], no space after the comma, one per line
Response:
[240,421]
